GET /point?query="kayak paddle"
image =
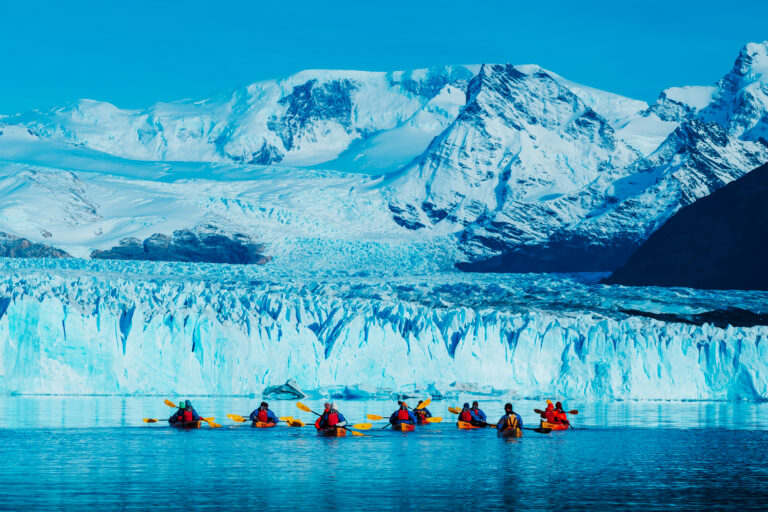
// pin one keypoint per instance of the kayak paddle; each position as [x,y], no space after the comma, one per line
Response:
[150,420]
[305,408]
[423,404]
[433,419]
[374,417]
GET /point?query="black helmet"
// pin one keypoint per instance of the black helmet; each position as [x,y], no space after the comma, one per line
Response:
[474,404]
[264,404]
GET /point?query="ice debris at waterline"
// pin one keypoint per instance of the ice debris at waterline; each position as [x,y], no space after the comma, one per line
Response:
[64,330]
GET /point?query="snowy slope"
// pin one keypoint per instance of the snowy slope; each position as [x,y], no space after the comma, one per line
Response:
[237,332]
[305,119]
[521,137]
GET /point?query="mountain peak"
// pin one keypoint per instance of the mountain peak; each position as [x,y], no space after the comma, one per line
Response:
[752,62]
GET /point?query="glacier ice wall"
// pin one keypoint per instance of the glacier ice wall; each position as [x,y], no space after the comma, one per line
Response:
[75,333]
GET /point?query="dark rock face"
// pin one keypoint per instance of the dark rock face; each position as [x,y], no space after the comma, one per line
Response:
[16,247]
[311,103]
[719,242]
[185,245]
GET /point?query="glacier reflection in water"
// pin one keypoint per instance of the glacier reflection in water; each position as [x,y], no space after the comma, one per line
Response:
[65,453]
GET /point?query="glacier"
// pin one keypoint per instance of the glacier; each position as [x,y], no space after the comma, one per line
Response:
[101,327]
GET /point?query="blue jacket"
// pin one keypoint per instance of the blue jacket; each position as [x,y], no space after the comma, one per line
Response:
[411,418]
[503,421]
[270,415]
[478,415]
[324,419]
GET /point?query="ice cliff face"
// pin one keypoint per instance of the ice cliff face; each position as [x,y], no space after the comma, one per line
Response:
[78,332]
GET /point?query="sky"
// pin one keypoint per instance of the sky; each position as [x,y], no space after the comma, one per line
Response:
[138,52]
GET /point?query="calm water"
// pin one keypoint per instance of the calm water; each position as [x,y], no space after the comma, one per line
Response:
[95,453]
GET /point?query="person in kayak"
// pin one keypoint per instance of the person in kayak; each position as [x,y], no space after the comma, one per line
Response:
[548,414]
[560,416]
[510,419]
[466,414]
[263,414]
[479,419]
[330,417]
[185,414]
[402,415]
[421,414]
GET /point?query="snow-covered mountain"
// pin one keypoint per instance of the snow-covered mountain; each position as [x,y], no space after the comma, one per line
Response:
[306,119]
[504,167]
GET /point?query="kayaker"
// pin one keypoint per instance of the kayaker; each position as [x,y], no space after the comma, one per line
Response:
[466,414]
[560,416]
[185,414]
[510,419]
[548,414]
[330,417]
[479,419]
[263,414]
[421,414]
[403,415]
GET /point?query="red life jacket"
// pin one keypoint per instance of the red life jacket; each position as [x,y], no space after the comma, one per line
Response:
[332,419]
[188,415]
[403,415]
[549,415]
[262,416]
[465,416]
[421,416]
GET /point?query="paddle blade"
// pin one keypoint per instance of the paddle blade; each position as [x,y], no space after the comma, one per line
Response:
[573,412]
[538,411]
[434,419]
[424,403]
[454,410]
[236,417]
[541,430]
[374,417]
[213,425]
[285,418]
[150,420]
[210,419]
[303,407]
[362,426]
[170,404]
[358,433]
[295,423]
